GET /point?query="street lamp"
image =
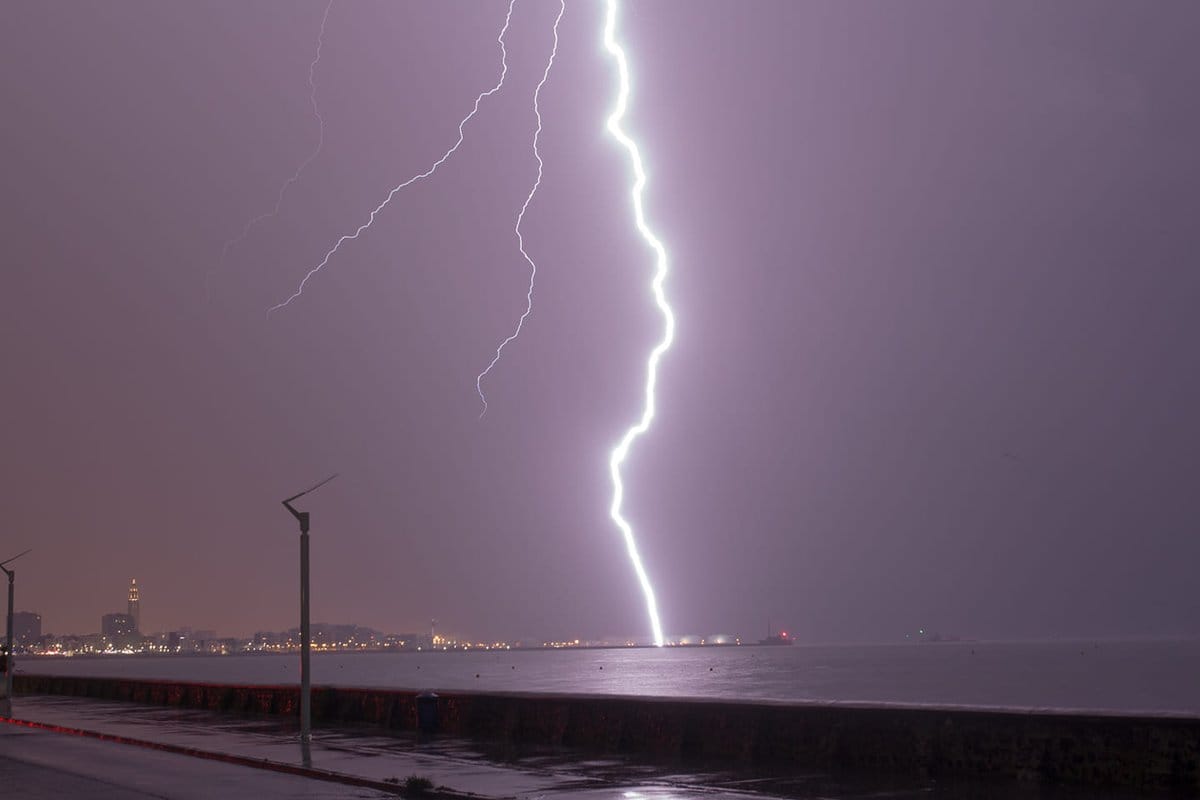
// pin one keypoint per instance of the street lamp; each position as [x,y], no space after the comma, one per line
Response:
[305,638]
[8,652]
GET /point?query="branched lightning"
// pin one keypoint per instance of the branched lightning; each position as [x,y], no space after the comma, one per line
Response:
[562,7]
[419,176]
[312,98]
[621,451]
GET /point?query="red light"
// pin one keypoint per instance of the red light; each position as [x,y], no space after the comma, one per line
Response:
[784,634]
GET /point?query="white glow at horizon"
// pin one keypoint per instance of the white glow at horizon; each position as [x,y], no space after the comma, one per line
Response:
[621,451]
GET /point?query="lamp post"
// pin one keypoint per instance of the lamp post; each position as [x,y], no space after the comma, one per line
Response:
[8,650]
[305,632]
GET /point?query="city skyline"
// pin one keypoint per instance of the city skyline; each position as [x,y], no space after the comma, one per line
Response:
[129,622]
[124,624]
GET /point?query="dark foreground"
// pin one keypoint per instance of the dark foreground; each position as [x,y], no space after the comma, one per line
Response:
[785,749]
[37,764]
[361,761]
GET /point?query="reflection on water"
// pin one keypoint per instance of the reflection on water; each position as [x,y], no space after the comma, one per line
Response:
[1156,676]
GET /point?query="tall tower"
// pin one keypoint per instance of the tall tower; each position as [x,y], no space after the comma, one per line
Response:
[135,606]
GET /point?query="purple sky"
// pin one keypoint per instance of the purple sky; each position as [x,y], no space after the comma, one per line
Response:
[934,265]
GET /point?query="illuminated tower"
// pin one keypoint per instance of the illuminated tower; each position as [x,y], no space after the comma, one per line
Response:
[135,608]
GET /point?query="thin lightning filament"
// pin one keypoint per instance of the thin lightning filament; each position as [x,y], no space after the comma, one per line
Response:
[295,176]
[537,93]
[419,176]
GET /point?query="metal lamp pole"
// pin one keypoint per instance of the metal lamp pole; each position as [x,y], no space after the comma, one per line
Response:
[305,629]
[8,650]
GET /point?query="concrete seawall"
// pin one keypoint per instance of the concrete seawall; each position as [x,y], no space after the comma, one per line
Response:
[1091,750]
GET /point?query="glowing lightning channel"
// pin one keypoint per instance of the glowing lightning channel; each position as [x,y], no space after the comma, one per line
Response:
[562,7]
[621,451]
[312,98]
[419,176]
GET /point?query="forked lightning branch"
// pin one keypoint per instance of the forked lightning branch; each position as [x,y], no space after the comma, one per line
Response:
[615,126]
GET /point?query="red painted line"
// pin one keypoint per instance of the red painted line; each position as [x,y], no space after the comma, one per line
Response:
[229,758]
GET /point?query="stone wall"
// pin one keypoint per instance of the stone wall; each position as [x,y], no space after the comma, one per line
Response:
[1036,747]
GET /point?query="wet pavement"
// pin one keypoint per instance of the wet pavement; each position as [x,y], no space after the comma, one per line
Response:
[459,765]
[452,763]
[37,764]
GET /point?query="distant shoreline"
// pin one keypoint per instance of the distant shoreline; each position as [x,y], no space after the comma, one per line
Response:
[797,645]
[383,650]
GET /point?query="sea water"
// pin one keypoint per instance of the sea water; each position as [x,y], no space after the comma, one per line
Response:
[1133,676]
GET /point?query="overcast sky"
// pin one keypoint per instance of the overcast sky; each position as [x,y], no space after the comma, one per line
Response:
[935,266]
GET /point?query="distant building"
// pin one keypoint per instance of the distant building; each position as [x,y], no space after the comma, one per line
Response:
[264,639]
[135,605]
[177,641]
[343,635]
[27,628]
[117,626]
[407,641]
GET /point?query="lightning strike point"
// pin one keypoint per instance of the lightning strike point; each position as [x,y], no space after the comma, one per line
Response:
[621,451]
[537,93]
[419,176]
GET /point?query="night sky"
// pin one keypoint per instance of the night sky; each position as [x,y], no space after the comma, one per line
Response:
[935,267]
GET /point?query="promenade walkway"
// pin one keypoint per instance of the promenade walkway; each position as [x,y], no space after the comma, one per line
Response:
[456,765]
[39,762]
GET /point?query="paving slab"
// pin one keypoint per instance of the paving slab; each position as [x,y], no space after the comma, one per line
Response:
[38,764]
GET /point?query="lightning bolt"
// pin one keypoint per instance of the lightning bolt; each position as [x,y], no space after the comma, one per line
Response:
[312,98]
[562,7]
[419,176]
[621,451]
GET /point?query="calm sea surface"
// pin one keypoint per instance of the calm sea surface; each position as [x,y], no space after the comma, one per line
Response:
[1155,676]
